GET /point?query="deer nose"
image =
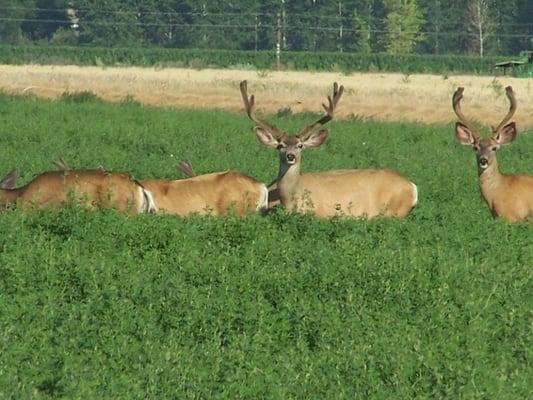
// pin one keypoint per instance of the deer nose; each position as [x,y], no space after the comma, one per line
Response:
[291,157]
[483,162]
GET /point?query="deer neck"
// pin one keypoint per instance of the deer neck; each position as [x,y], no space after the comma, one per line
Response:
[288,178]
[489,181]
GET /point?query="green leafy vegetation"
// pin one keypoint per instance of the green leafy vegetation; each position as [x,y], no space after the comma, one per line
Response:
[480,27]
[102,305]
[263,60]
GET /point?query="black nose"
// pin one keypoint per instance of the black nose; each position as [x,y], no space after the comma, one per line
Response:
[483,162]
[290,157]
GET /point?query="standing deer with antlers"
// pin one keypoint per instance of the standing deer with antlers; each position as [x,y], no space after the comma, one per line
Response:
[508,196]
[354,192]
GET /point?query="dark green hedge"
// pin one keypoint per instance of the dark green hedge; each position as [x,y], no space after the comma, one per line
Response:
[195,58]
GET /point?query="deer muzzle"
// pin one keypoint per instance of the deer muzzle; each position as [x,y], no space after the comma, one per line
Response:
[483,162]
[291,158]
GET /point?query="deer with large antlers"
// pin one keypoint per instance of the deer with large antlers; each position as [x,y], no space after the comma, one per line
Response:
[354,192]
[508,196]
[92,188]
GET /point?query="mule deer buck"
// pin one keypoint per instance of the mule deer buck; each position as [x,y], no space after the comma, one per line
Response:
[92,188]
[215,194]
[508,196]
[353,192]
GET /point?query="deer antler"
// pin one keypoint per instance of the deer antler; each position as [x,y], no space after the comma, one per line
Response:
[330,112]
[512,108]
[61,165]
[249,106]
[456,103]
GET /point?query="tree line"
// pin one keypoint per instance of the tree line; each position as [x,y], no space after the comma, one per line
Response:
[483,27]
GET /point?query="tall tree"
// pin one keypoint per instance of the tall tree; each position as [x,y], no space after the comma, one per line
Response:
[47,17]
[364,22]
[402,26]
[480,24]
[166,22]
[114,23]
[514,27]
[12,16]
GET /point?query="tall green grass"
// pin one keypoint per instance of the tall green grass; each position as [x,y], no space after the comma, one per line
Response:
[99,304]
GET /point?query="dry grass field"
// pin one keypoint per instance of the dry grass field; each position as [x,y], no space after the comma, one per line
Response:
[396,97]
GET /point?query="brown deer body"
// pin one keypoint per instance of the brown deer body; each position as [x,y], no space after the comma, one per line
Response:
[507,196]
[92,188]
[354,192]
[215,194]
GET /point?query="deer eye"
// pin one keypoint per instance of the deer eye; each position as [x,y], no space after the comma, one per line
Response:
[280,146]
[300,146]
[476,147]
[494,148]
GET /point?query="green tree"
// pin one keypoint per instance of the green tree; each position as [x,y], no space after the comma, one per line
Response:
[12,15]
[365,25]
[166,22]
[402,26]
[115,23]
[47,17]
[480,24]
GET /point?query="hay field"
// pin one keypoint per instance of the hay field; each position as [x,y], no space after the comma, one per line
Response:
[392,97]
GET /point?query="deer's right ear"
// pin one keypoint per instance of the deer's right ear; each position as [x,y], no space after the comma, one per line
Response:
[464,135]
[266,138]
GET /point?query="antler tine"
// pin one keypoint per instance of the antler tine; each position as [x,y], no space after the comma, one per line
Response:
[512,108]
[456,103]
[330,112]
[61,164]
[249,103]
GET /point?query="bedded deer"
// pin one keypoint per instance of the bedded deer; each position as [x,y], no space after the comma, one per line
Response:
[92,188]
[352,192]
[215,194]
[507,196]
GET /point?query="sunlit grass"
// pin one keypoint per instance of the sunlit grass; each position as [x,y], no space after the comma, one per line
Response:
[100,304]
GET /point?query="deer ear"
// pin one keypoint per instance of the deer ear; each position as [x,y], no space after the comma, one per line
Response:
[10,180]
[265,137]
[316,139]
[464,135]
[507,134]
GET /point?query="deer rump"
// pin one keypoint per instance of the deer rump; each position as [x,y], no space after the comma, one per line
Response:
[353,192]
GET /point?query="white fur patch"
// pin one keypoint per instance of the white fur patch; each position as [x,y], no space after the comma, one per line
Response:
[262,204]
[415,194]
[148,203]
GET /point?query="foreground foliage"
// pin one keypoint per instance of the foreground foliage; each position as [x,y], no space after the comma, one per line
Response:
[98,304]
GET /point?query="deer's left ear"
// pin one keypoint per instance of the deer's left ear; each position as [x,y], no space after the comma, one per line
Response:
[316,139]
[507,134]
